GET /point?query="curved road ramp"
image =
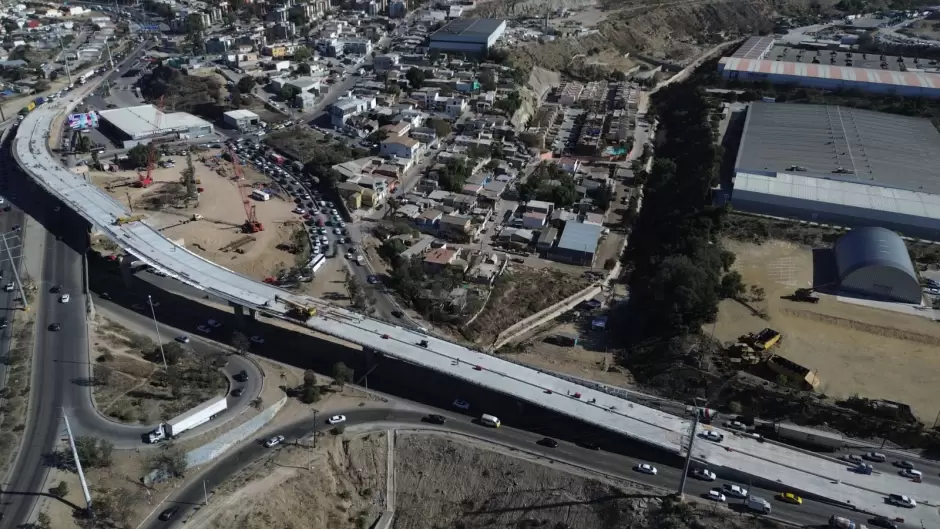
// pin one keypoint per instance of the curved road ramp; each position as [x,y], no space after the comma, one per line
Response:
[736,455]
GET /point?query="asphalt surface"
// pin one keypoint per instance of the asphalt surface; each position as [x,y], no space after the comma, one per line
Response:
[191,497]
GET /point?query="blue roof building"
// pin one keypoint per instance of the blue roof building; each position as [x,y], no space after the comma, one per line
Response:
[578,244]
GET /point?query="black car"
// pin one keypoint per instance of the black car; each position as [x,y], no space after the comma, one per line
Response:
[237,392]
[241,376]
[436,419]
[54,327]
[590,445]
[169,513]
[56,289]
[3,323]
[549,442]
[397,313]
[881,521]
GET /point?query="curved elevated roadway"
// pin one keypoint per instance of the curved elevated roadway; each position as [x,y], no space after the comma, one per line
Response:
[741,456]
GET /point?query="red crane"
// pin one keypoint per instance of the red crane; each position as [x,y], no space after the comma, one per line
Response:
[145,179]
[252,224]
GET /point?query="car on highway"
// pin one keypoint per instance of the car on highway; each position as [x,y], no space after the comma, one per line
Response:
[241,376]
[704,474]
[274,441]
[852,458]
[373,280]
[902,501]
[138,306]
[64,298]
[461,404]
[435,419]
[214,324]
[911,473]
[3,322]
[789,497]
[336,419]
[548,442]
[712,435]
[904,464]
[876,457]
[54,327]
[257,339]
[881,521]
[736,425]
[590,445]
[398,313]
[734,491]
[16,227]
[169,513]
[716,495]
[646,468]
[182,339]
[203,329]
[9,287]
[56,289]
[238,392]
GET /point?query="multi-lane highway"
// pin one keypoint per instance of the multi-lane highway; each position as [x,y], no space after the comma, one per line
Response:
[190,497]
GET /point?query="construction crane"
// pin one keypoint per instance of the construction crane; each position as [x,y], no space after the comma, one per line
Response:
[145,179]
[252,224]
[296,310]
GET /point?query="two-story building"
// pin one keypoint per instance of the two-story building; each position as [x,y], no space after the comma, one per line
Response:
[401,147]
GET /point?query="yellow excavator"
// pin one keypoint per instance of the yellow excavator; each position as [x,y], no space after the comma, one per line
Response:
[297,310]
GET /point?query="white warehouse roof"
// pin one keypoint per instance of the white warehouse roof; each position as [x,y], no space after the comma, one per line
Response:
[241,114]
[146,120]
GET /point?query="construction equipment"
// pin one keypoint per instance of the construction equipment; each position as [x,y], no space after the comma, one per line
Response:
[252,225]
[806,295]
[297,310]
[145,179]
[235,245]
[763,340]
[120,221]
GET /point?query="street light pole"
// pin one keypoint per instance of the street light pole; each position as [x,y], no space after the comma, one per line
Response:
[157,327]
[205,491]
[688,455]
[16,275]
[310,464]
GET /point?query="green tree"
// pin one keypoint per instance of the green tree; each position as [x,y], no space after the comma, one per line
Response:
[302,53]
[195,33]
[43,521]
[442,127]
[139,155]
[171,461]
[230,19]
[289,92]
[240,342]
[415,77]
[391,249]
[310,394]
[488,80]
[61,490]
[303,69]
[342,374]
[94,452]
[101,375]
[189,178]
[172,352]
[732,285]
[246,84]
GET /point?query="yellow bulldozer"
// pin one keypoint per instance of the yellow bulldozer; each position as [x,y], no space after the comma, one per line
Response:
[297,310]
[120,221]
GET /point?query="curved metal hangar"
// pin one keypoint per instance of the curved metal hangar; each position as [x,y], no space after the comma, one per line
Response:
[874,262]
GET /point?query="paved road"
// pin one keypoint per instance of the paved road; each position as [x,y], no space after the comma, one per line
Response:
[192,496]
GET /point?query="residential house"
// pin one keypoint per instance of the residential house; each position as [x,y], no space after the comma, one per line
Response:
[539,206]
[401,147]
[533,220]
[439,258]
[455,225]
[429,219]
[570,165]
[546,240]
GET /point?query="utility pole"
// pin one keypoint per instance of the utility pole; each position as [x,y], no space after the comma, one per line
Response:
[205,491]
[16,274]
[157,327]
[78,464]
[310,464]
[688,455]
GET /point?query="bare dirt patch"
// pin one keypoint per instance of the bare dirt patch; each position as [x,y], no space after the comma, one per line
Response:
[218,235]
[130,384]
[15,399]
[518,294]
[855,349]
[340,485]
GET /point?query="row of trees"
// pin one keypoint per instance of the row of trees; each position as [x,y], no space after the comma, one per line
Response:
[676,258]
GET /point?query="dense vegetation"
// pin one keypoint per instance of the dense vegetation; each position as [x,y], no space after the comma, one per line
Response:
[675,257]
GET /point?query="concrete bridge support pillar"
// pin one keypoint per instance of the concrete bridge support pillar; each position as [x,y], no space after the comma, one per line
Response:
[126,273]
[240,317]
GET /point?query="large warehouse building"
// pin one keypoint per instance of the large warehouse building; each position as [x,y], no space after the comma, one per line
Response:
[468,35]
[839,166]
[874,262]
[141,124]
[828,69]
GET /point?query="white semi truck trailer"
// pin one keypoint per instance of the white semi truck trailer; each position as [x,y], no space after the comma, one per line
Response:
[197,416]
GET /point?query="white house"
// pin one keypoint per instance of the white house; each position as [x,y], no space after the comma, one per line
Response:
[401,147]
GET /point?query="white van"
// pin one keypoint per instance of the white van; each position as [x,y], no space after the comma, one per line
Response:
[490,420]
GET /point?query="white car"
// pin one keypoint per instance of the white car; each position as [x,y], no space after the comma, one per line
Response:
[204,329]
[734,491]
[214,324]
[64,299]
[716,495]
[182,339]
[336,419]
[274,441]
[9,287]
[646,468]
[736,425]
[299,211]
[712,435]
[349,255]
[461,404]
[704,474]
[902,501]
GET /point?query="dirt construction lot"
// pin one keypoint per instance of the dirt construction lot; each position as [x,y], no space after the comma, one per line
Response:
[222,209]
[856,349]
[441,481]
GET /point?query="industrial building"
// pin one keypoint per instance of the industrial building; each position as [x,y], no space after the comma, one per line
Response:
[468,35]
[840,166]
[578,244]
[874,262]
[818,69]
[241,119]
[141,124]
